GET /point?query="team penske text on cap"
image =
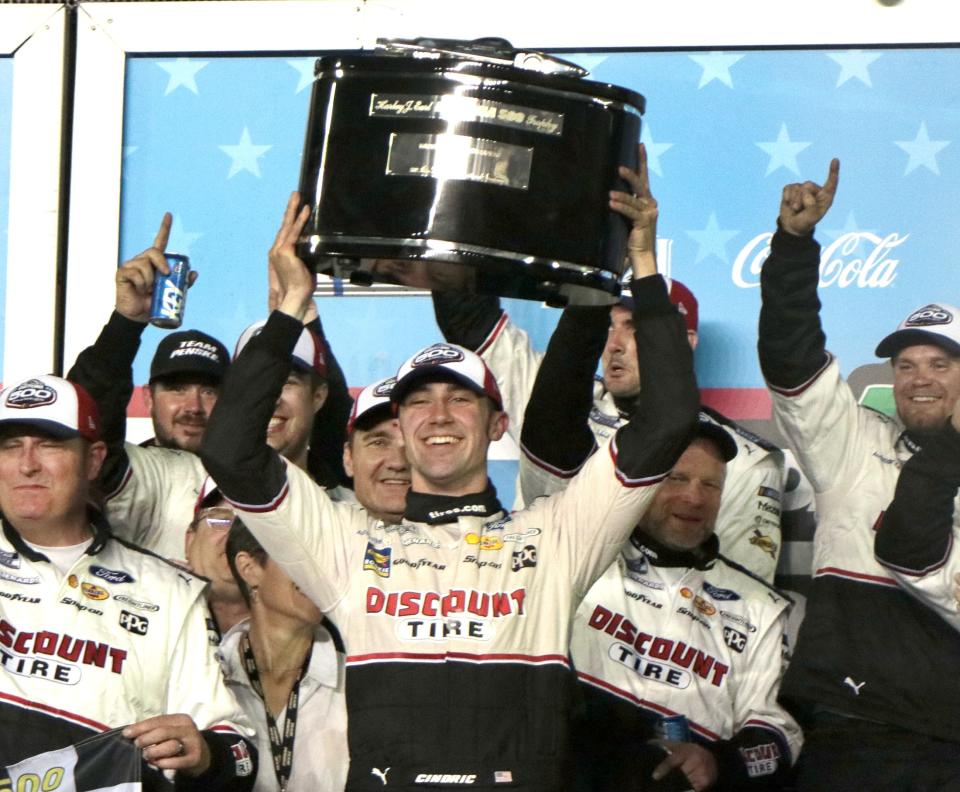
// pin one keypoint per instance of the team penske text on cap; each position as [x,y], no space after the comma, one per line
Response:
[52,404]
[447,360]
[372,398]
[936,323]
[190,352]
[307,354]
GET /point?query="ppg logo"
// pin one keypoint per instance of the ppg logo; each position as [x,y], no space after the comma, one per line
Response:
[32,393]
[131,622]
[438,354]
[929,315]
[735,639]
[171,300]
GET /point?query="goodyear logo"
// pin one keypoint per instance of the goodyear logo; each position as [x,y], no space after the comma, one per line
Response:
[377,560]
[90,591]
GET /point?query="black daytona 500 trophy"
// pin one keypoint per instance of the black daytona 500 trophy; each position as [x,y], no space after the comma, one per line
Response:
[469,166]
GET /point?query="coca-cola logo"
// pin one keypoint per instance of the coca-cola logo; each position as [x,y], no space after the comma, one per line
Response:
[842,263]
[32,393]
[438,354]
[929,315]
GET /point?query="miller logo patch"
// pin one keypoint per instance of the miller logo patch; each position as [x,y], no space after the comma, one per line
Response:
[32,393]
[377,560]
[436,355]
[93,592]
[9,559]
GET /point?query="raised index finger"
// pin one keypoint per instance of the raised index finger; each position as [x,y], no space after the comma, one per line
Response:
[642,170]
[833,177]
[163,234]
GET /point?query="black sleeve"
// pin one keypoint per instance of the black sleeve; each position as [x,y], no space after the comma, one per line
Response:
[663,420]
[105,369]
[226,768]
[325,456]
[466,319]
[234,450]
[791,341]
[753,759]
[555,423]
[915,533]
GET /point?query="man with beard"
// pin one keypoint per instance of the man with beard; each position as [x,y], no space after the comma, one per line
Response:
[871,672]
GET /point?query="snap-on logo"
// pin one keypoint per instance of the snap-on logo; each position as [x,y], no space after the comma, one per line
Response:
[929,315]
[385,387]
[436,355]
[32,393]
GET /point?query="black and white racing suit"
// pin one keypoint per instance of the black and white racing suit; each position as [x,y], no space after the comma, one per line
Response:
[456,621]
[122,637]
[867,652]
[667,633]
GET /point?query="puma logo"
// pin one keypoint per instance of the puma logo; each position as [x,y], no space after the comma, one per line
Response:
[851,683]
[381,774]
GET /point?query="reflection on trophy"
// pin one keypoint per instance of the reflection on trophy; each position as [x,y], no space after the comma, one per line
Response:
[471,167]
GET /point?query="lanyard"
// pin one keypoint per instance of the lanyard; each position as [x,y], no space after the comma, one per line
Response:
[280,747]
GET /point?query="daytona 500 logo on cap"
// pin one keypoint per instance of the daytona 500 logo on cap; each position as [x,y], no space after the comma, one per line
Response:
[32,393]
[436,355]
[932,314]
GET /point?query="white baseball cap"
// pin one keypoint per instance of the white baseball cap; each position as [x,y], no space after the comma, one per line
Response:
[440,361]
[936,323]
[373,398]
[55,405]
[308,354]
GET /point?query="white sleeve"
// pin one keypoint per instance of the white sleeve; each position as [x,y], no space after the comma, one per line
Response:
[510,355]
[153,506]
[310,536]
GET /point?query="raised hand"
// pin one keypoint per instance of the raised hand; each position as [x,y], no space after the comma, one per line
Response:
[642,210]
[803,205]
[134,278]
[290,281]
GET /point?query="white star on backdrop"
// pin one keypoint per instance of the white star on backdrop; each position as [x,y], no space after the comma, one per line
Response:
[180,241]
[244,155]
[654,150]
[304,67]
[922,150]
[853,65]
[783,152]
[712,240]
[183,73]
[850,226]
[716,66]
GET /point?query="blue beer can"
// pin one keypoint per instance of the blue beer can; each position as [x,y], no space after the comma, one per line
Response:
[674,727]
[170,293]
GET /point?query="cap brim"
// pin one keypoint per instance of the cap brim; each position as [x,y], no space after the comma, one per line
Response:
[900,339]
[51,428]
[720,436]
[431,374]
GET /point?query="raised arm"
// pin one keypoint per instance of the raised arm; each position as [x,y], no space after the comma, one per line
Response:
[791,342]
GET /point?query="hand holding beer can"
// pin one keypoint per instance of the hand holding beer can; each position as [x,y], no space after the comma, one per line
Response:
[170,293]
[673,727]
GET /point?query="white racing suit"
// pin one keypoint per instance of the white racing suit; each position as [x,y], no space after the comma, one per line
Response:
[122,637]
